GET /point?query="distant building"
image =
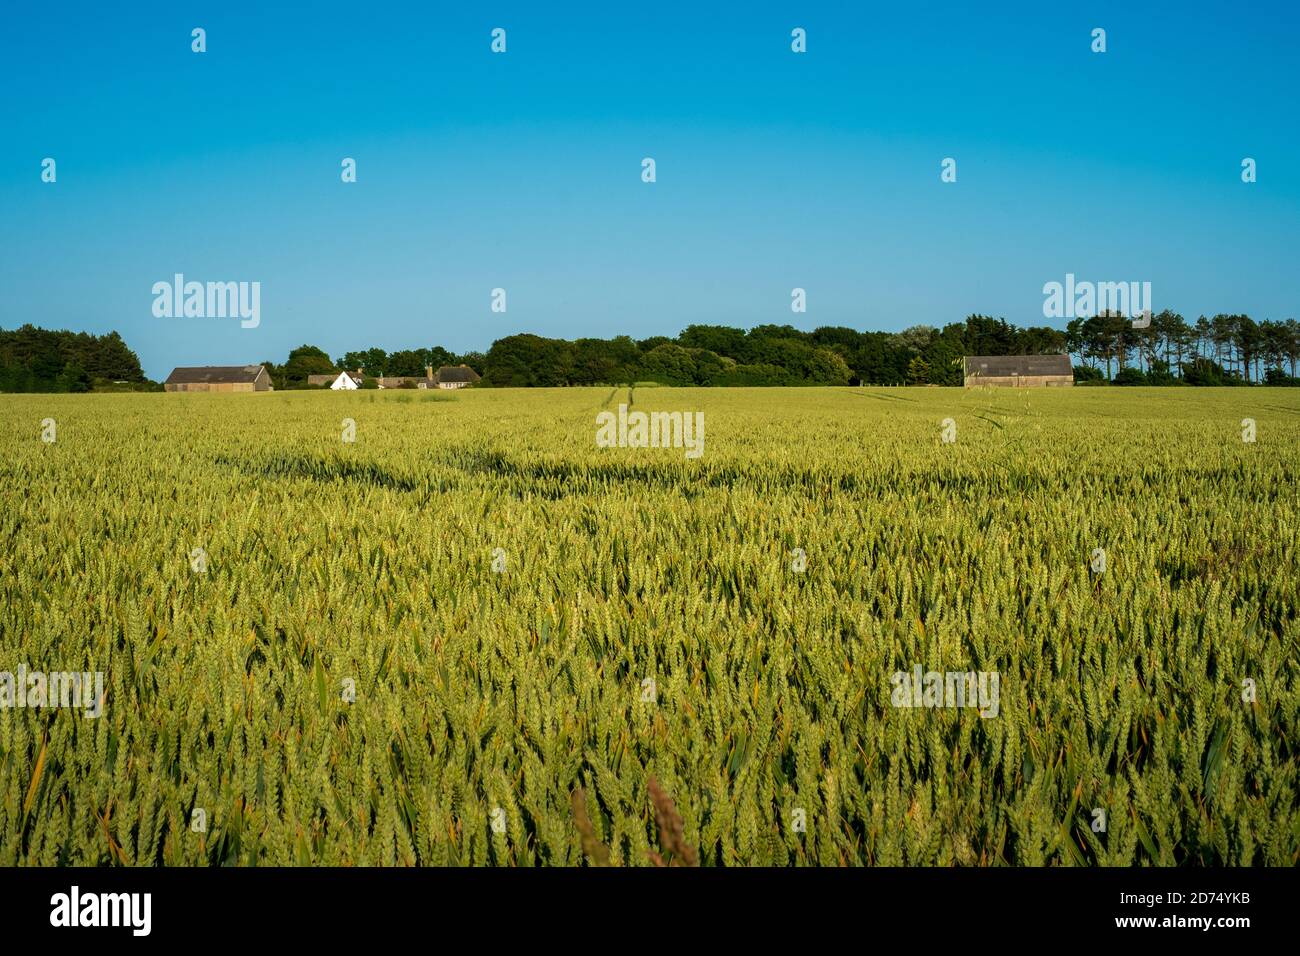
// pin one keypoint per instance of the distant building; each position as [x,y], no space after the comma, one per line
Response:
[330,379]
[455,376]
[407,381]
[449,376]
[345,383]
[219,378]
[1018,371]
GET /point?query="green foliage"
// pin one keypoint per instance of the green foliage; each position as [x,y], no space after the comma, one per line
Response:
[1160,373]
[753,375]
[528,360]
[478,690]
[1203,371]
[38,360]
[73,378]
[408,362]
[304,361]
[669,364]
[370,361]
[1129,376]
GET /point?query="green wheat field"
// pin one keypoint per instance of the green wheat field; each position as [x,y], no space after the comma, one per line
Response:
[358,676]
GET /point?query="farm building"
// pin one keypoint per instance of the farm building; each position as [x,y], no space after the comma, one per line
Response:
[448,376]
[457,376]
[219,378]
[407,381]
[1018,371]
[345,383]
[332,379]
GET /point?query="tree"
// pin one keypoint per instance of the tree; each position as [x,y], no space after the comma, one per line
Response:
[1221,334]
[605,361]
[303,361]
[1159,374]
[918,336]
[1088,375]
[943,356]
[756,375]
[645,345]
[407,362]
[73,378]
[1203,335]
[986,335]
[827,367]
[1099,340]
[437,357]
[881,360]
[1292,343]
[1248,341]
[33,359]
[718,339]
[524,360]
[1273,344]
[668,364]
[509,361]
[1123,336]
[475,360]
[1076,342]
[840,340]
[710,366]
[1204,371]
[1183,339]
[370,361]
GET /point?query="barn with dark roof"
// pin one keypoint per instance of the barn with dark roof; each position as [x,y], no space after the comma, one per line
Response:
[1018,371]
[218,378]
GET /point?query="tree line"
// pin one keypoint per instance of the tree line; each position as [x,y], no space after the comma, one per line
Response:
[1222,350]
[39,360]
[1219,350]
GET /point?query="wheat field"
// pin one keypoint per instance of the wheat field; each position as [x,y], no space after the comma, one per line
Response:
[412,648]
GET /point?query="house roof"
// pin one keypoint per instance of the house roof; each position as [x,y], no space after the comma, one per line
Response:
[996,366]
[397,381]
[457,373]
[332,377]
[213,374]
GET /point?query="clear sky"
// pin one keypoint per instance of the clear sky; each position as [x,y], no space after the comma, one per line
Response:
[522,170]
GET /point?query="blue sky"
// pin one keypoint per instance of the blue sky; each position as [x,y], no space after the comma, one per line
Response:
[522,170]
